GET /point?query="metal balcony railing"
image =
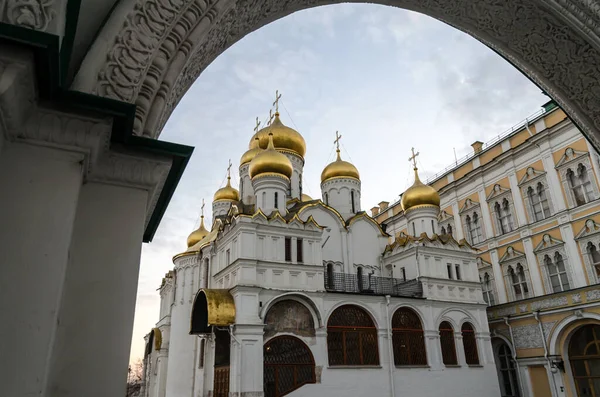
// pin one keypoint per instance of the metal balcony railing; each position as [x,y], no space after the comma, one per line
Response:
[372,285]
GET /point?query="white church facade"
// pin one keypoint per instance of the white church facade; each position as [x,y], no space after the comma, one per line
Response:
[289,295]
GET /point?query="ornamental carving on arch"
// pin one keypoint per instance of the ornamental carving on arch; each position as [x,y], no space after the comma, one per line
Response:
[32,14]
[160,35]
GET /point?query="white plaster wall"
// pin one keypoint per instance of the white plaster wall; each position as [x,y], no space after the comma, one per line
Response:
[366,243]
[39,194]
[334,233]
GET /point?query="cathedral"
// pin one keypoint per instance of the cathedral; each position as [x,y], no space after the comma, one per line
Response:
[286,294]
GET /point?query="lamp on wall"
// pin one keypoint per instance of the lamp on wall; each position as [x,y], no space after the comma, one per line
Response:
[556,364]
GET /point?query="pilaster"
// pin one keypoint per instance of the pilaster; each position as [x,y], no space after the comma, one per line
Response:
[558,199]
[534,268]
[498,277]
[434,354]
[485,212]
[246,373]
[460,234]
[517,199]
[575,263]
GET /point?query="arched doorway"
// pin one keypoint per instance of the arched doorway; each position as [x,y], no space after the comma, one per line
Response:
[288,365]
[507,369]
[584,356]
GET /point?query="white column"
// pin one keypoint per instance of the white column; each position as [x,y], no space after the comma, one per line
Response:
[498,277]
[593,159]
[558,199]
[93,339]
[460,348]
[485,211]
[517,199]
[534,268]
[458,230]
[432,345]
[246,368]
[38,196]
[575,263]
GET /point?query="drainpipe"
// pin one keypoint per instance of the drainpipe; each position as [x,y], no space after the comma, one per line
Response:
[390,349]
[239,371]
[527,127]
[536,315]
[514,353]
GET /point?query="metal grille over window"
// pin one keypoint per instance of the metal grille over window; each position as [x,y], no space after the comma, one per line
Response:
[288,249]
[289,364]
[408,339]
[447,344]
[470,344]
[352,337]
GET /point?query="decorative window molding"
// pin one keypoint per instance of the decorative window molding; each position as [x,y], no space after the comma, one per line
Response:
[470,215]
[577,177]
[588,239]
[502,209]
[486,277]
[446,223]
[516,274]
[536,194]
[552,259]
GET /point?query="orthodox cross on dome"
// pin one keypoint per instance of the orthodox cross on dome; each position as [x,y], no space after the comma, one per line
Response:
[229,170]
[413,158]
[271,115]
[202,209]
[276,103]
[337,140]
[257,125]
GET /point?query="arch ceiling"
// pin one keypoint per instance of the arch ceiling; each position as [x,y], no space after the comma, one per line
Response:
[149,52]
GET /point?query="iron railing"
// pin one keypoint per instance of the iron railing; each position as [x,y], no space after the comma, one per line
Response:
[372,285]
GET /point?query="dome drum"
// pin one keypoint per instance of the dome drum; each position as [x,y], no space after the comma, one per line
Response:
[270,161]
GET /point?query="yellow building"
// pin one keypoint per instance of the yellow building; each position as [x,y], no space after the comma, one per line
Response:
[529,201]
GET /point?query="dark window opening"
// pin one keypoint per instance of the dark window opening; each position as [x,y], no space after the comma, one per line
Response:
[288,249]
[299,251]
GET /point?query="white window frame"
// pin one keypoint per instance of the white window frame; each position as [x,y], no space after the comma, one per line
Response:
[468,210]
[571,161]
[511,260]
[532,179]
[505,220]
[484,267]
[549,246]
[590,233]
[446,220]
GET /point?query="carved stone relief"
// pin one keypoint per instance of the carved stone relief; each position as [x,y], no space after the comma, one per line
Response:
[164,45]
[33,14]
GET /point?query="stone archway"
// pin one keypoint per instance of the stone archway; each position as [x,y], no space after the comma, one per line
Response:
[157,49]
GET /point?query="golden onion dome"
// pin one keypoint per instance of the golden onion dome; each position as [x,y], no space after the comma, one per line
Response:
[305,197]
[419,195]
[227,193]
[251,153]
[284,137]
[270,161]
[339,169]
[197,234]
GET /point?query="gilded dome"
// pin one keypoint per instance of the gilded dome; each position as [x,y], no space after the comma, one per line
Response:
[339,169]
[270,161]
[305,197]
[419,194]
[251,153]
[284,137]
[197,234]
[227,193]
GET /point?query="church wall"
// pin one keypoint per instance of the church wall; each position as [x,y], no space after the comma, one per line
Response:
[366,244]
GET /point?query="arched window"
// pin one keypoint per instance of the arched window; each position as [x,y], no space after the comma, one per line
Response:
[352,200]
[519,282]
[504,216]
[488,290]
[594,257]
[414,230]
[408,339]
[288,365]
[538,201]
[580,185]
[584,355]
[360,278]
[470,344]
[351,337]
[264,199]
[443,230]
[276,200]
[505,364]
[559,281]
[447,344]
[473,229]
[326,199]
[450,229]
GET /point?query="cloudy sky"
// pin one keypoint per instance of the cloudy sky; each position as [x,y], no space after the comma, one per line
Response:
[386,78]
